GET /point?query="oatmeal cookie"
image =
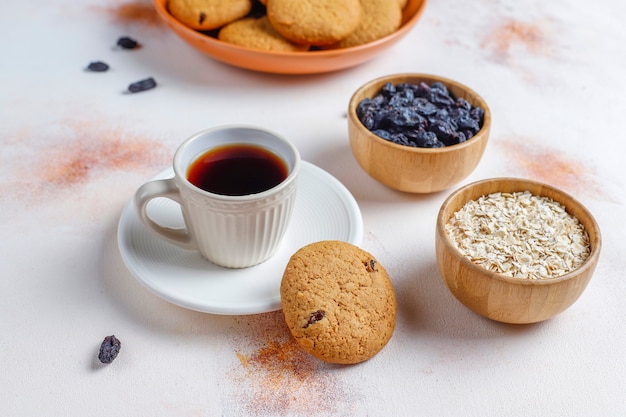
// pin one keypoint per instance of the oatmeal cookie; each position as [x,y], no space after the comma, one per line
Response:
[379,18]
[314,22]
[338,302]
[208,14]
[257,34]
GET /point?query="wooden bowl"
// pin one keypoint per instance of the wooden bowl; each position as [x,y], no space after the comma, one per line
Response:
[499,297]
[290,62]
[409,169]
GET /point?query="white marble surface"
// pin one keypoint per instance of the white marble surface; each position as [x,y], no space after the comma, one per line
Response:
[74,149]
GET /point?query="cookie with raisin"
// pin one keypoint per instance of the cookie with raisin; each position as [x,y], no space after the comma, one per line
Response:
[338,302]
[208,14]
[314,22]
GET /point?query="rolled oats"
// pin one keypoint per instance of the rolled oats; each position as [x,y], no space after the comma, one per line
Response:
[519,235]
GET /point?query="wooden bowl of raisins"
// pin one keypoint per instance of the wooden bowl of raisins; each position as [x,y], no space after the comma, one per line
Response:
[515,250]
[418,133]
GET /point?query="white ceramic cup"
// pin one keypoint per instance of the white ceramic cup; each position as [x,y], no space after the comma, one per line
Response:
[230,231]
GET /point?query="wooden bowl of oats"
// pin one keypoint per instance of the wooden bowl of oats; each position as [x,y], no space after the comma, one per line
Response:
[515,250]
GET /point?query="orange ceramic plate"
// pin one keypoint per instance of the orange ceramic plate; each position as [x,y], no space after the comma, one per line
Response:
[290,62]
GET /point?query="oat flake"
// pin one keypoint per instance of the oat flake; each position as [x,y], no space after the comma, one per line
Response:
[519,235]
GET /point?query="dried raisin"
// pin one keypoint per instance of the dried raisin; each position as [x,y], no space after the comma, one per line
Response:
[127,43]
[98,66]
[109,349]
[315,317]
[370,266]
[420,115]
[142,85]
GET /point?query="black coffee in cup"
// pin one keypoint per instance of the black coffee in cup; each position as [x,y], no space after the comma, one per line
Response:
[237,169]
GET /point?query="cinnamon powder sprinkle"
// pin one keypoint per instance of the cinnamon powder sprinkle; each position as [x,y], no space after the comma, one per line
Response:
[279,362]
[278,378]
[512,33]
[77,162]
[285,380]
[127,13]
[550,165]
[77,153]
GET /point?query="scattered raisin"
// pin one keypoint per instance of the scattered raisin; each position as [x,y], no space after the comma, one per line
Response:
[142,85]
[370,265]
[109,349]
[420,115]
[98,66]
[315,317]
[127,43]
[201,18]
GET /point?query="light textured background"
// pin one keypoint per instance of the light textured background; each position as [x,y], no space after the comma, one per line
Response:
[74,149]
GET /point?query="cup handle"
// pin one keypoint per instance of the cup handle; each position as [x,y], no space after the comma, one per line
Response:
[162,188]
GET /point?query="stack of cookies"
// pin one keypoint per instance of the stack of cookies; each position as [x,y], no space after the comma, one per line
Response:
[291,25]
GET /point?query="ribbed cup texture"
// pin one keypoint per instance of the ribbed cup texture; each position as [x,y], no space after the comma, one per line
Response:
[238,234]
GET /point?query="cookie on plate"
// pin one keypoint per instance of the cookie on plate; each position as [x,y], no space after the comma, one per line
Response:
[257,34]
[208,14]
[338,302]
[379,18]
[314,22]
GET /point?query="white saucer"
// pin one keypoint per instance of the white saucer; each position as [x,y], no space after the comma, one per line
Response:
[324,210]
